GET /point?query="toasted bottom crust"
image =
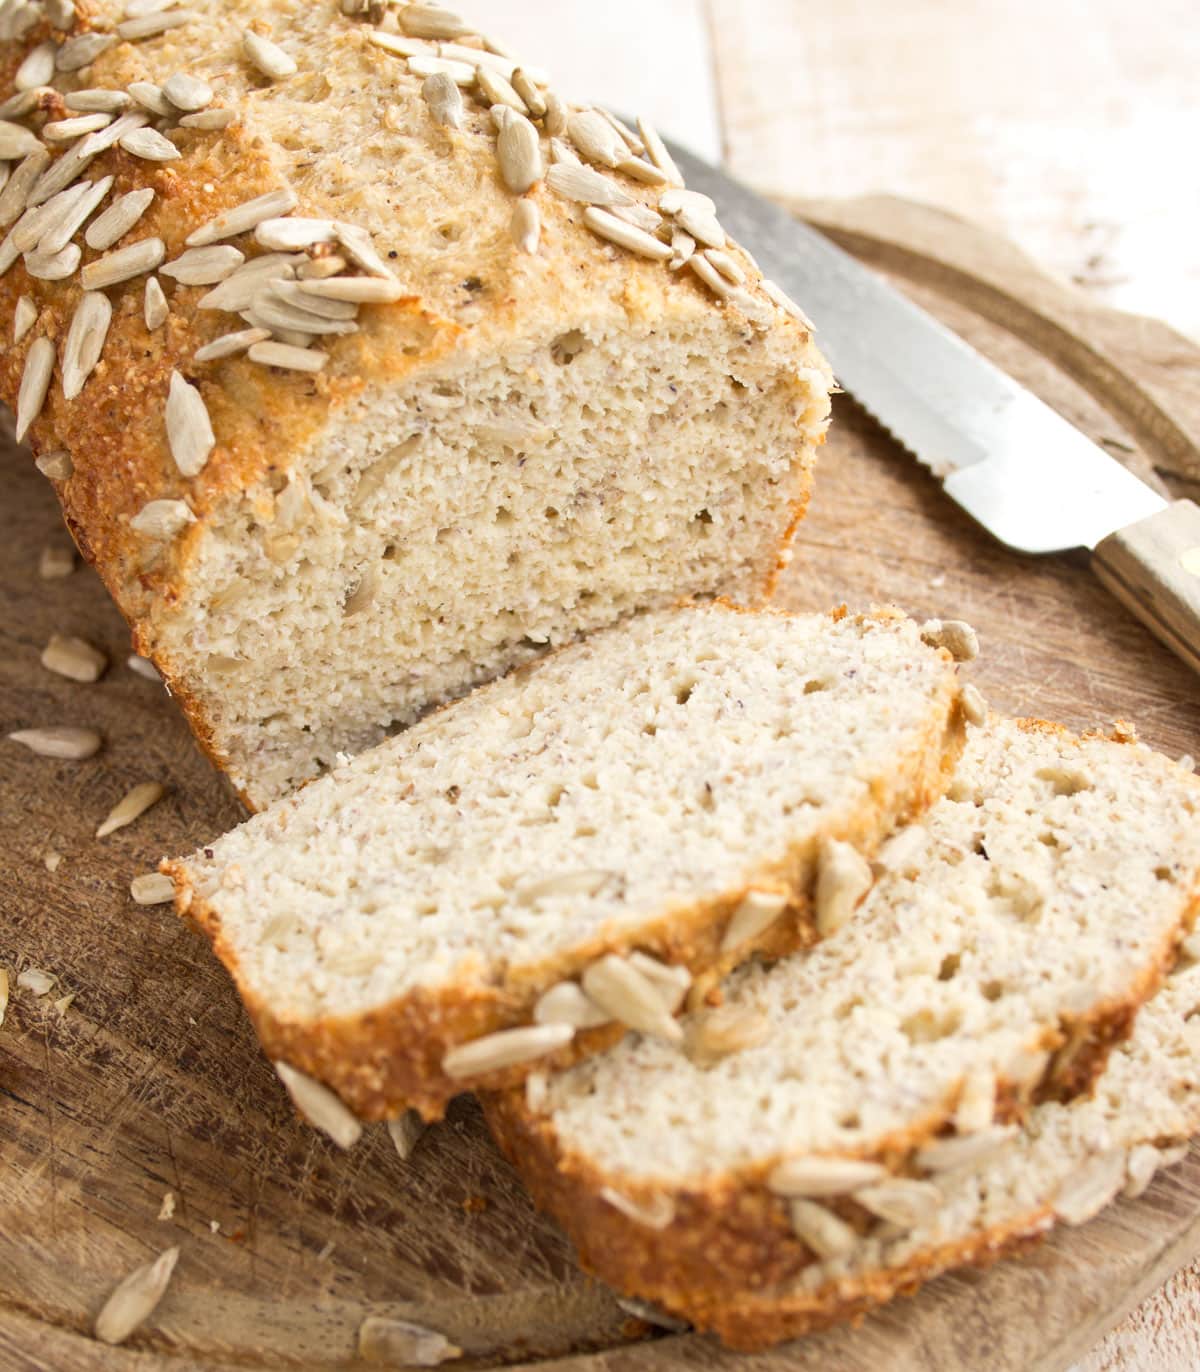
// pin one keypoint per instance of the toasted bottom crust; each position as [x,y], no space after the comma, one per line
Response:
[390,1059]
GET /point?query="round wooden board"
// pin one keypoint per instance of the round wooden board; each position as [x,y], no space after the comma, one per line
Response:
[150,1080]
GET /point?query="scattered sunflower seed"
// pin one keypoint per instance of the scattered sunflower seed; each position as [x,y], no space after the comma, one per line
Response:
[154,306]
[131,806]
[444,99]
[625,235]
[655,1213]
[166,1211]
[431,21]
[61,741]
[211,120]
[135,1298]
[242,218]
[588,187]
[35,382]
[399,1343]
[628,995]
[230,343]
[268,57]
[82,50]
[24,318]
[405,1131]
[955,635]
[33,979]
[506,1048]
[595,138]
[162,518]
[97,99]
[187,93]
[57,465]
[151,25]
[37,69]
[757,911]
[56,561]
[289,357]
[124,264]
[150,96]
[526,226]
[204,266]
[189,429]
[143,667]
[16,141]
[73,658]
[656,150]
[319,1106]
[821,1230]
[85,341]
[292,234]
[116,221]
[65,130]
[150,145]
[364,290]
[152,888]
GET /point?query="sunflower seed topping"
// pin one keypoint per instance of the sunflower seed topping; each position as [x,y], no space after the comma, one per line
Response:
[230,343]
[292,293]
[555,119]
[823,1176]
[444,99]
[123,264]
[702,226]
[37,69]
[431,21]
[82,50]
[319,1106]
[152,888]
[35,382]
[843,878]
[53,266]
[60,741]
[321,268]
[399,1343]
[821,1230]
[189,429]
[646,172]
[55,466]
[81,208]
[73,658]
[526,226]
[641,216]
[588,187]
[356,244]
[406,1131]
[150,145]
[526,88]
[116,221]
[187,93]
[506,1048]
[289,235]
[162,519]
[683,245]
[627,994]
[366,290]
[726,265]
[495,90]
[151,25]
[238,291]
[785,302]
[24,318]
[16,141]
[61,13]
[210,120]
[656,150]
[65,130]
[655,1213]
[595,138]
[154,306]
[566,1003]
[459,72]
[97,99]
[135,1298]
[242,218]
[135,9]
[15,195]
[204,266]
[289,357]
[85,341]
[28,230]
[625,235]
[519,154]
[397,45]
[151,97]
[268,57]
[271,312]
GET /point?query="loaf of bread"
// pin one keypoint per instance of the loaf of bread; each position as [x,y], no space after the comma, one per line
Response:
[572,849]
[365,368]
[1008,942]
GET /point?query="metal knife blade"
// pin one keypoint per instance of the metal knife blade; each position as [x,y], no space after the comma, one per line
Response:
[1025,473]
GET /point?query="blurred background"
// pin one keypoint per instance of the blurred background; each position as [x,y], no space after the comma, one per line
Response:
[1071,126]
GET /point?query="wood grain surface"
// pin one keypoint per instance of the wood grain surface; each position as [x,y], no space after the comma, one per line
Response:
[149,1081]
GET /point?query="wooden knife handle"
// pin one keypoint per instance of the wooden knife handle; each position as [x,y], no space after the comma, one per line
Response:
[1153,568]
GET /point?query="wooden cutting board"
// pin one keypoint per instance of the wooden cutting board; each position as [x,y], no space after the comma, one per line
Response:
[150,1081]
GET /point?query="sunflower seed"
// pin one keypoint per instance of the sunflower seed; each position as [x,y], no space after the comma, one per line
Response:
[230,343]
[670,980]
[357,245]
[24,318]
[57,466]
[209,120]
[785,302]
[204,266]
[97,99]
[320,1106]
[974,707]
[273,313]
[589,882]
[703,227]
[955,635]
[625,235]
[843,878]
[506,1048]
[16,141]
[656,150]
[35,980]
[60,741]
[640,216]
[73,658]
[151,25]
[289,357]
[135,9]
[321,268]
[406,1131]
[131,806]
[152,888]
[478,57]
[722,1032]
[37,69]
[494,89]
[588,187]
[1091,1187]
[966,1150]
[395,44]
[242,218]
[289,235]
[821,1230]
[189,429]
[143,667]
[500,115]
[565,1003]
[118,219]
[268,57]
[187,93]
[444,99]
[93,192]
[757,911]
[526,88]
[150,145]
[628,995]
[54,266]
[292,293]
[623,131]
[595,138]
[151,97]
[154,306]
[645,172]
[823,1176]
[57,560]
[526,226]
[655,1213]
[754,310]
[25,102]
[519,154]
[124,264]
[15,195]
[555,119]
[70,166]
[431,21]
[17,18]
[683,245]
[162,518]
[399,1343]
[35,382]
[365,290]
[726,265]
[85,341]
[34,223]
[134,1299]
[676,199]
[238,291]
[901,1200]
[82,50]
[106,138]
[61,13]
[65,130]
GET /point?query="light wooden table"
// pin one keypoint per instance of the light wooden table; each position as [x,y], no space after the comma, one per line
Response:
[1071,126]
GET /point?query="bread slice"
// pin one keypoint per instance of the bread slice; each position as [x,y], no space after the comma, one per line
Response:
[1007,944]
[668,789]
[530,427]
[1064,1166]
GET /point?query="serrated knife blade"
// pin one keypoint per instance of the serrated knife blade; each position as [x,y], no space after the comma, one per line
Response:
[1020,469]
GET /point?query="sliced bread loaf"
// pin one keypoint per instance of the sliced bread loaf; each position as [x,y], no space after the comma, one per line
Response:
[1007,943]
[997,1189]
[639,811]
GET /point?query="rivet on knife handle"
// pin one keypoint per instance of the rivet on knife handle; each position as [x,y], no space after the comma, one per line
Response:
[1153,568]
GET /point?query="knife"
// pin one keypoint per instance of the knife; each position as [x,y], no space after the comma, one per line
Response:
[1022,471]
